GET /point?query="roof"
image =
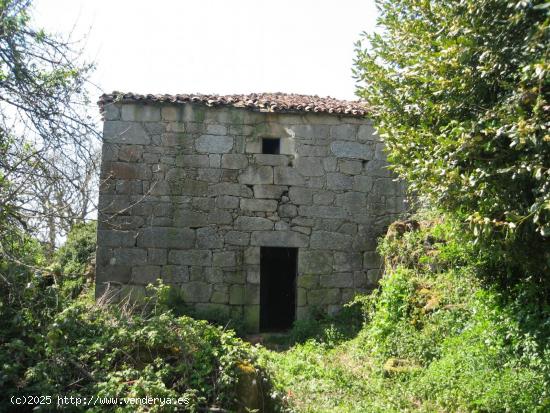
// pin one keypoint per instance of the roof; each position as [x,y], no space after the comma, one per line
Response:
[264,102]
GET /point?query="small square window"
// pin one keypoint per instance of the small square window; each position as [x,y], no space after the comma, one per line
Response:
[271,146]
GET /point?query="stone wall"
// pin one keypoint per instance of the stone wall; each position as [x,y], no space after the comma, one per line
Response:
[187,196]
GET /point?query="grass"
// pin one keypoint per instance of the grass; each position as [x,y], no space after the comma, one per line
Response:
[318,378]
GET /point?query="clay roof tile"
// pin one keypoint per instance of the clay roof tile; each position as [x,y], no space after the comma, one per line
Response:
[274,102]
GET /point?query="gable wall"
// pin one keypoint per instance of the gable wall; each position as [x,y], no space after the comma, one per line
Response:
[187,196]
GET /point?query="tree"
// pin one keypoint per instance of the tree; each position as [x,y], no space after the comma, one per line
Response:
[54,203]
[48,144]
[459,92]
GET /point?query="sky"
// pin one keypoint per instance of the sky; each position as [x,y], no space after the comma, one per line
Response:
[215,46]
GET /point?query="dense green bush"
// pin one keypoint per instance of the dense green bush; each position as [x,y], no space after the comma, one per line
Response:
[31,294]
[94,351]
[89,350]
[28,302]
[73,263]
[474,349]
[329,329]
[459,92]
[75,255]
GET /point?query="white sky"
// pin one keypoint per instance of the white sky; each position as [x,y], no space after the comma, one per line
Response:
[216,46]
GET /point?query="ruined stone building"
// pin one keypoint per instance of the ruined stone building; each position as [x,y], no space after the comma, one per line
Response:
[261,207]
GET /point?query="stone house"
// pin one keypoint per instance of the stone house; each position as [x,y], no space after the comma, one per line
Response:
[262,207]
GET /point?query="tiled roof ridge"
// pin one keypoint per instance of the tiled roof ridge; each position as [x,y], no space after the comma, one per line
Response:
[266,102]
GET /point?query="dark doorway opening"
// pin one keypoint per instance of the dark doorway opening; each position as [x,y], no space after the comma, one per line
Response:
[278,267]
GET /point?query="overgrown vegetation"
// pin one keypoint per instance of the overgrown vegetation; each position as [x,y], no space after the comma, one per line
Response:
[56,341]
[434,339]
[459,92]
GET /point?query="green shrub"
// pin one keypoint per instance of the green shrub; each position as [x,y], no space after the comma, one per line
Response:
[75,255]
[160,355]
[477,349]
[28,302]
[73,263]
[89,350]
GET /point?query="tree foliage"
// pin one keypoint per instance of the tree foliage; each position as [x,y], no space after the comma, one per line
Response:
[459,92]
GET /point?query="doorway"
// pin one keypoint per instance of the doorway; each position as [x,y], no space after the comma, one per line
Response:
[278,267]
